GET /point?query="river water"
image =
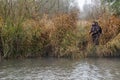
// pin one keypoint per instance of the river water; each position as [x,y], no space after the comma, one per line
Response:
[60,69]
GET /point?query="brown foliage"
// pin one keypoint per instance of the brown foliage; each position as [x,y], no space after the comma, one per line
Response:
[56,32]
[110,26]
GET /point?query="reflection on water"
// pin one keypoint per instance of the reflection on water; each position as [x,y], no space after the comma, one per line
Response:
[60,69]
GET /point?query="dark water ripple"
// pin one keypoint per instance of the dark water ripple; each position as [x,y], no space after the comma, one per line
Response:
[60,69]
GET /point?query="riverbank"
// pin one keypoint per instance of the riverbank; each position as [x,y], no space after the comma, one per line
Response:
[59,36]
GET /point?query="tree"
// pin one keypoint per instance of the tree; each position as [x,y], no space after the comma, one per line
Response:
[93,10]
[114,5]
[17,10]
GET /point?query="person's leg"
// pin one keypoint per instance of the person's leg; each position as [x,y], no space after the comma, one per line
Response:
[97,39]
[94,39]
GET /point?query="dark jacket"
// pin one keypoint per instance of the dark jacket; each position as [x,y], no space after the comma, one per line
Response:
[96,29]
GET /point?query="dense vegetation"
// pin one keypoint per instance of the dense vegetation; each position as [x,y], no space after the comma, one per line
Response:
[30,28]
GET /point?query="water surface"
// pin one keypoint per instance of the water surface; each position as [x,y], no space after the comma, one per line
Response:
[60,69]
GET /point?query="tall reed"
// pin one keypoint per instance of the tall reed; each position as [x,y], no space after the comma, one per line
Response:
[58,36]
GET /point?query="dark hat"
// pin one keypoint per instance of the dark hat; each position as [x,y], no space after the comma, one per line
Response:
[95,23]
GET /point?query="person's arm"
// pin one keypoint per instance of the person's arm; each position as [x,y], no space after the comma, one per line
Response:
[90,32]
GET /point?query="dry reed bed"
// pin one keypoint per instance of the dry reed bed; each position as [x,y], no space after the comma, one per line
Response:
[58,36]
[40,37]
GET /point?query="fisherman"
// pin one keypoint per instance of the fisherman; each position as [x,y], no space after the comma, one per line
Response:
[95,32]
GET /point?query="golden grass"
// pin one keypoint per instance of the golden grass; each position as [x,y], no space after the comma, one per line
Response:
[61,35]
[110,26]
